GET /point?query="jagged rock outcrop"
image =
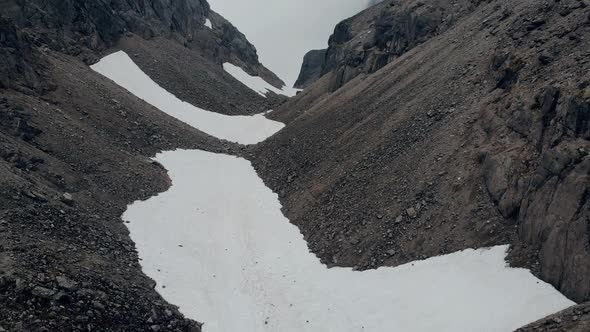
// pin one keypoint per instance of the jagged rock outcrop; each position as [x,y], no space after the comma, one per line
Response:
[370,40]
[17,60]
[225,43]
[311,69]
[70,25]
[83,28]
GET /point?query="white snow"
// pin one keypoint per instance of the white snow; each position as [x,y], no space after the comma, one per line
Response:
[256,83]
[208,24]
[242,129]
[218,243]
[219,247]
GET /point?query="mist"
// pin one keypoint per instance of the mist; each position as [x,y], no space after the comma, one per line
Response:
[284,30]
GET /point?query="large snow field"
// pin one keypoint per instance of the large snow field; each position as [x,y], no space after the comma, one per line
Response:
[219,247]
[242,129]
[257,83]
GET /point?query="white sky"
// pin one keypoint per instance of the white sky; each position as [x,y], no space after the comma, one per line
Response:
[284,30]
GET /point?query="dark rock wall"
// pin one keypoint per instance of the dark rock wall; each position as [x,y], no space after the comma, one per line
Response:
[539,179]
[16,58]
[95,24]
[85,28]
[311,70]
[370,40]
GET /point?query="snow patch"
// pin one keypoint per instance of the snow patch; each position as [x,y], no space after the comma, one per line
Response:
[219,247]
[256,83]
[241,129]
[208,24]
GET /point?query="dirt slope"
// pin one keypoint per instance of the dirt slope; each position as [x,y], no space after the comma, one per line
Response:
[477,136]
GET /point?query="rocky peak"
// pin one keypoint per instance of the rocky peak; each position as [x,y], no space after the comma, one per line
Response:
[370,40]
[311,69]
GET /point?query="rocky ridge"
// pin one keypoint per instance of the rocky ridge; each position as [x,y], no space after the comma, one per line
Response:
[475,136]
[84,29]
[373,38]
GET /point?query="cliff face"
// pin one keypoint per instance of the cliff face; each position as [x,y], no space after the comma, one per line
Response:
[82,28]
[370,40]
[17,60]
[71,24]
[474,134]
[311,70]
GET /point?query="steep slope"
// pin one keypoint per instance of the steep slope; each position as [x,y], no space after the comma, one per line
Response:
[75,149]
[475,136]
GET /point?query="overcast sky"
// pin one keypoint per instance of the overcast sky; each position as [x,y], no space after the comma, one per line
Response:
[284,30]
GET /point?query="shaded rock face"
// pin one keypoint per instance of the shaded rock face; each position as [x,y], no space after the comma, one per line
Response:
[15,58]
[84,28]
[96,24]
[311,69]
[370,40]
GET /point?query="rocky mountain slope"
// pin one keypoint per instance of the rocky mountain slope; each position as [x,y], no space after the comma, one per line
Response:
[79,27]
[75,149]
[370,40]
[425,128]
[442,125]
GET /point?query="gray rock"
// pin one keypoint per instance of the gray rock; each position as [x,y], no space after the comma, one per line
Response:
[66,283]
[68,199]
[82,30]
[311,69]
[412,212]
[43,292]
[97,305]
[388,32]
